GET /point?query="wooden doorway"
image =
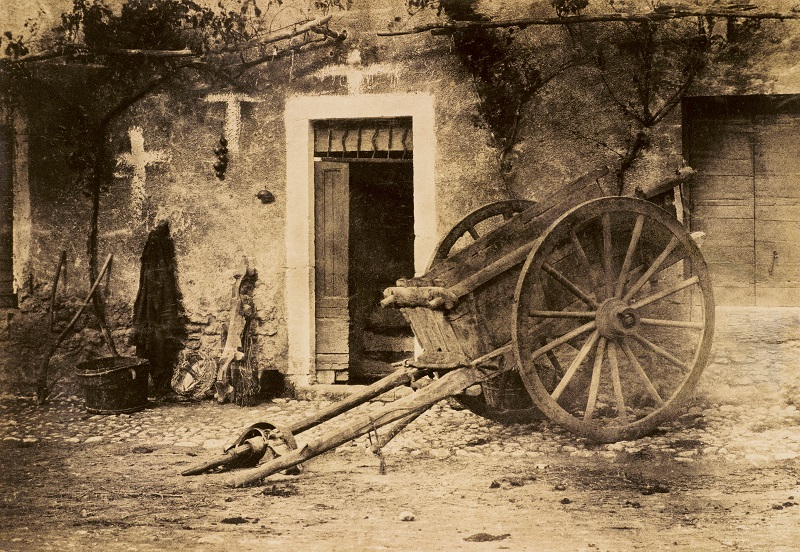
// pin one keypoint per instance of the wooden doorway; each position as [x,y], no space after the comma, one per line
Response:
[364,242]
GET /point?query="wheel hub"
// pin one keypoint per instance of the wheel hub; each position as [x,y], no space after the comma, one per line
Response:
[616,319]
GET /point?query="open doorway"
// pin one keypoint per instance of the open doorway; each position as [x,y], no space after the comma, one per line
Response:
[381,250]
[363,242]
[308,131]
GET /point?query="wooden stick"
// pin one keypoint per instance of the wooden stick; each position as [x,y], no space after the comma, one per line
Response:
[104,329]
[245,449]
[316,26]
[400,377]
[383,440]
[397,378]
[41,389]
[61,261]
[329,33]
[152,53]
[275,37]
[664,14]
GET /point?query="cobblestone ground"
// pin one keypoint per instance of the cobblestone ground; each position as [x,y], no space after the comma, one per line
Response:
[745,414]
[745,410]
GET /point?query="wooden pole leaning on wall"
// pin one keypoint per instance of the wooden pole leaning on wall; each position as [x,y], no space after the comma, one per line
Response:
[42,389]
[62,261]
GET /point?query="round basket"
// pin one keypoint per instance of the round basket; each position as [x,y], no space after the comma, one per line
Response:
[114,385]
[506,392]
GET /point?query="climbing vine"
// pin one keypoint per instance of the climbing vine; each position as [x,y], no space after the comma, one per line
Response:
[506,77]
[644,61]
[644,68]
[141,47]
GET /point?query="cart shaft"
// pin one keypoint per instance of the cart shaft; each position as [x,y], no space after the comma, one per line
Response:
[450,384]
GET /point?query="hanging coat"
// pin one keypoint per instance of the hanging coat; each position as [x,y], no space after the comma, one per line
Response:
[157,330]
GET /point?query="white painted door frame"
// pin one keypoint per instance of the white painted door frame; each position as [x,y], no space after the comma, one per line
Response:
[300,114]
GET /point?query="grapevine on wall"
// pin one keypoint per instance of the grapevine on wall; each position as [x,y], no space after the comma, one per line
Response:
[645,56]
[142,47]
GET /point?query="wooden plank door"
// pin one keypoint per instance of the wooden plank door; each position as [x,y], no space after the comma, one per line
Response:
[777,210]
[721,150]
[331,255]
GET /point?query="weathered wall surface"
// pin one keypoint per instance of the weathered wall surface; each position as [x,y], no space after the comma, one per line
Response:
[569,129]
[216,224]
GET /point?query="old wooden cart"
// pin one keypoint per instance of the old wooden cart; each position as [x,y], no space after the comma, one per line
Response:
[595,312]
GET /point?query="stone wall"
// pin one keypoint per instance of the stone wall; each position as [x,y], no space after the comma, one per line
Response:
[215,224]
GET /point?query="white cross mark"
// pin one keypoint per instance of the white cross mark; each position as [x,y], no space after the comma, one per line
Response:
[233,116]
[135,164]
[356,74]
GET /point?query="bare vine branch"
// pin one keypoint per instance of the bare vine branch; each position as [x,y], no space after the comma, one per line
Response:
[663,13]
[278,36]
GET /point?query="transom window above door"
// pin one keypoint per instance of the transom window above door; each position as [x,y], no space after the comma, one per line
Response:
[367,139]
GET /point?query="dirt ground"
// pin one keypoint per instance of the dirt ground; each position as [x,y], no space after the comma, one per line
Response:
[120,497]
[724,476]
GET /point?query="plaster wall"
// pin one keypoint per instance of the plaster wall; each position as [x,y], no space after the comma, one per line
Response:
[569,129]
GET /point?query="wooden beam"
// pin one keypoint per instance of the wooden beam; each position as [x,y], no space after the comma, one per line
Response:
[663,13]
[316,26]
[152,53]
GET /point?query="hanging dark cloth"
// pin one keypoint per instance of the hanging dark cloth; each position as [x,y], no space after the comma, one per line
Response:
[157,329]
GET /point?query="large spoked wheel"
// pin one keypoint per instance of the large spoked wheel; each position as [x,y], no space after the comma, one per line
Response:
[615,300]
[479,222]
[503,399]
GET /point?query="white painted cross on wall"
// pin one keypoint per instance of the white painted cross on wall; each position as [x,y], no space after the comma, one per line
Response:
[233,116]
[356,75]
[135,164]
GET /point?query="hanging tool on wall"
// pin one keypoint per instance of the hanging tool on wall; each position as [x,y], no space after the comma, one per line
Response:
[221,151]
[234,352]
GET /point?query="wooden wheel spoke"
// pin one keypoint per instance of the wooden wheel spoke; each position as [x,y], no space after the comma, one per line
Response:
[673,243]
[623,296]
[666,292]
[575,290]
[589,326]
[626,264]
[576,244]
[594,386]
[672,323]
[652,391]
[615,379]
[661,351]
[473,233]
[563,314]
[607,256]
[574,365]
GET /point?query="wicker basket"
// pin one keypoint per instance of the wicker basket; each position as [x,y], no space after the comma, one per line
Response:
[506,392]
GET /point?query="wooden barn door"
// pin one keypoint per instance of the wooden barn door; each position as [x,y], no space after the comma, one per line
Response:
[723,204]
[746,197]
[331,229]
[776,168]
